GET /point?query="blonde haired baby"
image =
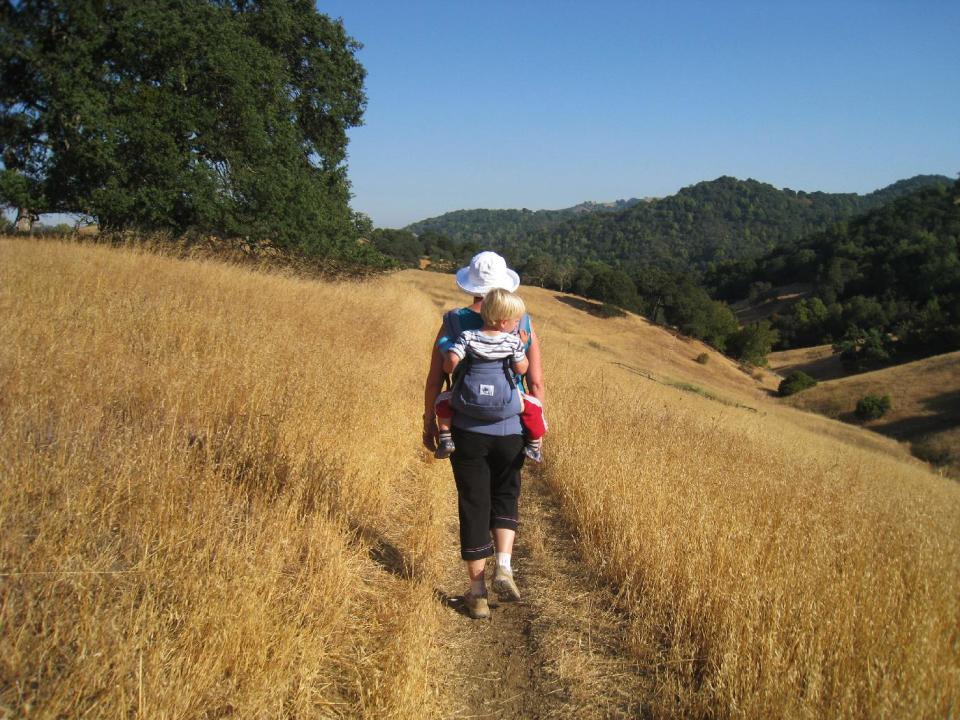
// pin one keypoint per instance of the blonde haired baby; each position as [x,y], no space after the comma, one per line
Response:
[501,312]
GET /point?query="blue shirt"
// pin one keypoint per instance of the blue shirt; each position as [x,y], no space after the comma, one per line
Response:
[469,320]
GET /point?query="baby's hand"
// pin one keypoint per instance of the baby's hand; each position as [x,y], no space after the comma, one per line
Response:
[524,336]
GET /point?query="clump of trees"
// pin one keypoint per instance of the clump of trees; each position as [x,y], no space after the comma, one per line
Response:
[216,116]
[665,297]
[885,285]
[752,343]
[408,248]
[794,383]
[872,407]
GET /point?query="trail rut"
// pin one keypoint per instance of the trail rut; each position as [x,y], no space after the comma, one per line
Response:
[561,651]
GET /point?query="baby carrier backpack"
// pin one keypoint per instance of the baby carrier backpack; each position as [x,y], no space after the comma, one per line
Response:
[483,389]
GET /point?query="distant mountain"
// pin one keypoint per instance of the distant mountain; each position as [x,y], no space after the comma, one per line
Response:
[902,188]
[494,227]
[703,224]
[722,219]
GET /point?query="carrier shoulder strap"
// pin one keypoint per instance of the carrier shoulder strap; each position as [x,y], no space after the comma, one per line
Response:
[512,378]
[526,327]
[453,328]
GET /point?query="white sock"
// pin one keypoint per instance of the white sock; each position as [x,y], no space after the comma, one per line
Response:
[478,587]
[503,560]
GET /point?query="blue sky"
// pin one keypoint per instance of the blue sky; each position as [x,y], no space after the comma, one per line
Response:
[547,104]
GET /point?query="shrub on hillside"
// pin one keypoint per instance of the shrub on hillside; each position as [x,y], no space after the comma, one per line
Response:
[752,343]
[795,382]
[871,407]
[703,358]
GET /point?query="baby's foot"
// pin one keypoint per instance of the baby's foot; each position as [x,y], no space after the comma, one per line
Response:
[533,452]
[445,448]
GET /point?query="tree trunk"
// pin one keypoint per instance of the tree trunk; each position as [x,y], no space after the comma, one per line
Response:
[25,220]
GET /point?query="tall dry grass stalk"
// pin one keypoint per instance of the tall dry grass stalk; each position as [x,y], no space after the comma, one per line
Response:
[209,503]
[768,571]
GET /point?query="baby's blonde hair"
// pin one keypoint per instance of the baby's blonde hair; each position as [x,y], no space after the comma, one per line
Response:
[499,305]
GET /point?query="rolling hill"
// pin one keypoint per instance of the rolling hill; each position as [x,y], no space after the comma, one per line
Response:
[490,227]
[213,502]
[925,397]
[893,272]
[709,222]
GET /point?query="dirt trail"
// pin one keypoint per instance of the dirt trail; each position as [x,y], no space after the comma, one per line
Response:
[560,652]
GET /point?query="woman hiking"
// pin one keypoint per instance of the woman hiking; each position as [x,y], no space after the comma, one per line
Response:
[489,453]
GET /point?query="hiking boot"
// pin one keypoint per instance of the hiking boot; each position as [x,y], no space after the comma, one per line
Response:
[476,606]
[503,583]
[533,452]
[444,449]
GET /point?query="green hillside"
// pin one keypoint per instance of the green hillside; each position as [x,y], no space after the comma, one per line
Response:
[496,227]
[712,221]
[884,283]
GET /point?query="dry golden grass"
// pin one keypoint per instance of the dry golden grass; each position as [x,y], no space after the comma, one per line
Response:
[211,503]
[925,409]
[774,563]
[769,571]
[192,492]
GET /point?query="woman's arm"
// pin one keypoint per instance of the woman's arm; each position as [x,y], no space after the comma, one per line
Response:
[535,384]
[450,363]
[431,389]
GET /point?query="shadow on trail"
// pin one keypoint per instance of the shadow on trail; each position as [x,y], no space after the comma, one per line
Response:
[392,560]
[454,602]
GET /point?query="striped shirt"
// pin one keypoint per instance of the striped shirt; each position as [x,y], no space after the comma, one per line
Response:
[488,347]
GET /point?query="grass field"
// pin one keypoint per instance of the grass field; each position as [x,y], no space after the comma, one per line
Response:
[213,504]
[925,412]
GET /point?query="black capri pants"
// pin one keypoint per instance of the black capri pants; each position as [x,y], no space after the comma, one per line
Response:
[487,472]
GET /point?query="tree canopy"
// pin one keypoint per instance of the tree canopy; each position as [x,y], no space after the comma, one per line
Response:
[495,228]
[223,116]
[697,228]
[884,283]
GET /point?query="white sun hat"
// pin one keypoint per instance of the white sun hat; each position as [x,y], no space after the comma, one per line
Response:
[487,271]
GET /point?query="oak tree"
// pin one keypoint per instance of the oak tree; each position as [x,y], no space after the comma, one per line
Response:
[222,116]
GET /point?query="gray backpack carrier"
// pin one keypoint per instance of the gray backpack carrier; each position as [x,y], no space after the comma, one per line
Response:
[482,389]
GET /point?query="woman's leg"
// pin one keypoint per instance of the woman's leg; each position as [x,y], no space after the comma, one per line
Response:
[503,540]
[475,570]
[505,460]
[472,474]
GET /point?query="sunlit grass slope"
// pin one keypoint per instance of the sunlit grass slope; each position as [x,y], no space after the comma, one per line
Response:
[925,397]
[197,462]
[212,503]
